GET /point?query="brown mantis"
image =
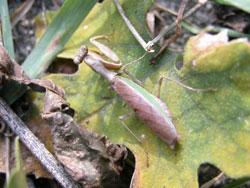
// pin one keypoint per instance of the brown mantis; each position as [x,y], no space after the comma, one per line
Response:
[148,108]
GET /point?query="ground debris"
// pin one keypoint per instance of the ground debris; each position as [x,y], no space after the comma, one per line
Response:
[89,158]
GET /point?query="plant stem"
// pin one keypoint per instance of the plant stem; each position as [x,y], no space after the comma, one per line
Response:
[146,46]
[168,29]
[35,146]
[173,38]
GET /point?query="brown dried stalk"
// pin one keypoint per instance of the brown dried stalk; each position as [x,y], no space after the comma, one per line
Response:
[174,37]
[35,146]
[168,29]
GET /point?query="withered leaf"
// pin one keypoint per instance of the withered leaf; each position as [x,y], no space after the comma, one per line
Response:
[89,158]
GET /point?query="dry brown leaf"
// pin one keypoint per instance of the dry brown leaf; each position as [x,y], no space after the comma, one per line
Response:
[88,157]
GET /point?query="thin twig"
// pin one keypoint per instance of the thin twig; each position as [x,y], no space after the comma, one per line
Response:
[35,146]
[21,11]
[167,29]
[165,9]
[146,46]
[178,29]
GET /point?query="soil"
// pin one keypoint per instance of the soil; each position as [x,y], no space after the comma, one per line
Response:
[210,14]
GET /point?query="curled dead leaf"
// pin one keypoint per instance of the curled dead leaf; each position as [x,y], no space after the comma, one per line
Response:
[54,103]
[88,157]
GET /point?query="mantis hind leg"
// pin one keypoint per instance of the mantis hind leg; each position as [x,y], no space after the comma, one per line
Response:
[182,85]
[140,140]
[122,120]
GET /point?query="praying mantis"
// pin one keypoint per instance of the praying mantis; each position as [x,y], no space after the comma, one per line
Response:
[147,107]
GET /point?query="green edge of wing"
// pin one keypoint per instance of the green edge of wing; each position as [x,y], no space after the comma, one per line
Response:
[153,100]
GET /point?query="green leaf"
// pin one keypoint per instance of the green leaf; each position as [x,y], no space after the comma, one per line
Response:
[205,53]
[241,4]
[17,176]
[214,126]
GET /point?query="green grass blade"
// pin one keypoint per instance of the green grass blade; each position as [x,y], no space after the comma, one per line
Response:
[6,28]
[57,34]
[17,176]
